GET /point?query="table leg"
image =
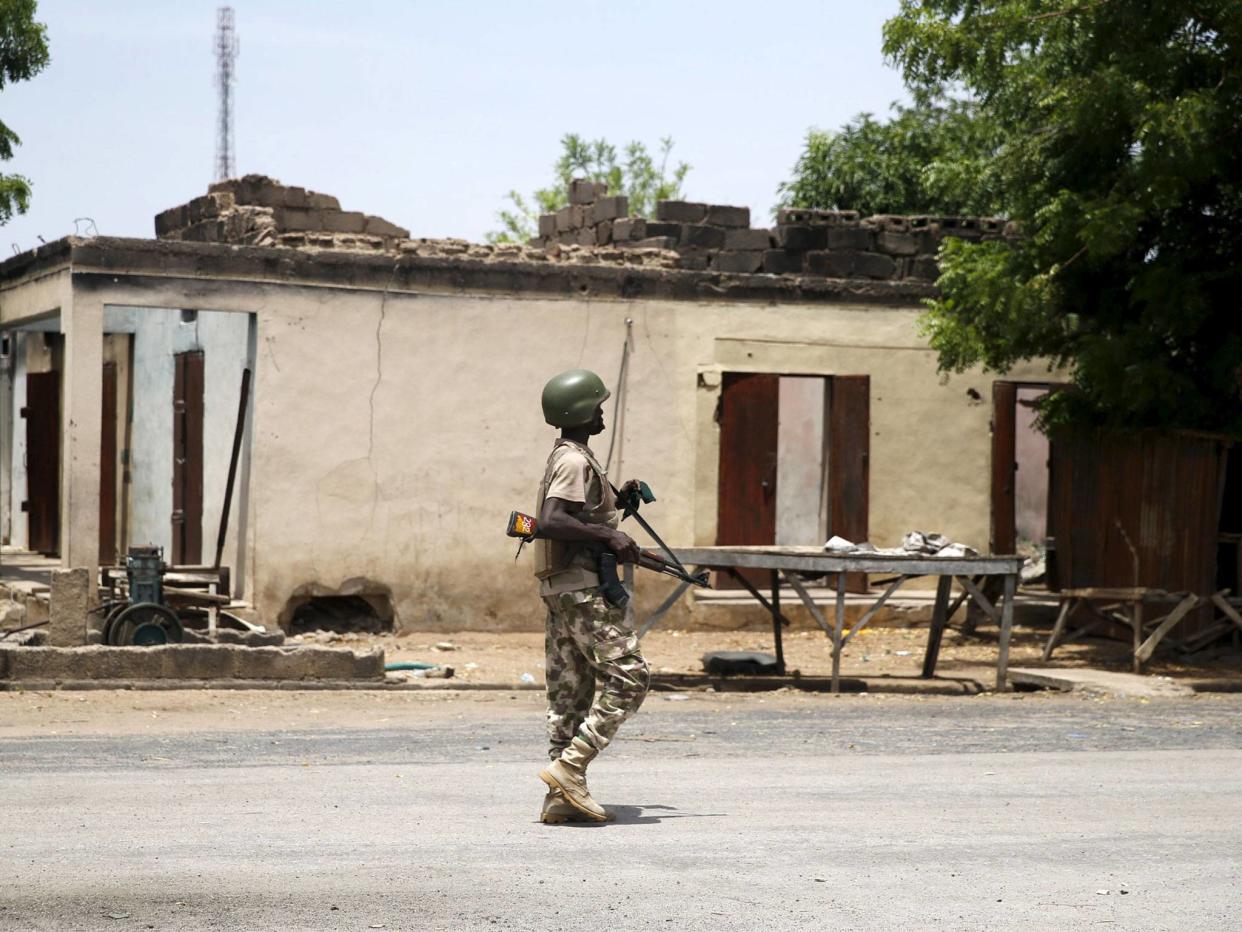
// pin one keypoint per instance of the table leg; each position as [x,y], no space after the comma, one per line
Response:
[1006,630]
[1067,608]
[940,616]
[664,608]
[837,627]
[776,621]
[1136,620]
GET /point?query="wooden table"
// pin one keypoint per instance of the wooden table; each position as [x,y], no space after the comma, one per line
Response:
[1128,606]
[792,563]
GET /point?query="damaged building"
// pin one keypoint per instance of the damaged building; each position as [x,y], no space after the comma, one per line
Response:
[774,388]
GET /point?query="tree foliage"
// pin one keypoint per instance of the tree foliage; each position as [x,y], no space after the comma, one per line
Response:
[1121,123]
[23,54]
[636,173]
[930,158]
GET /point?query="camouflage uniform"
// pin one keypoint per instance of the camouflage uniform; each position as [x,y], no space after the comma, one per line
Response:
[588,640]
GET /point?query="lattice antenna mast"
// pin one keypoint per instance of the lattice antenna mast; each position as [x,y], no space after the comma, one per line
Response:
[227,50]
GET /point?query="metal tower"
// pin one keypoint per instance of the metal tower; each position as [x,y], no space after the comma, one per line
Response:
[227,49]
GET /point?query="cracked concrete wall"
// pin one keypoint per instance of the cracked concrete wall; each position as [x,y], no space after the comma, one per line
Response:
[393,436]
[393,431]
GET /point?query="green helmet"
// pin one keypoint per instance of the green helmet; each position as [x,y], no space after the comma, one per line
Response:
[570,399]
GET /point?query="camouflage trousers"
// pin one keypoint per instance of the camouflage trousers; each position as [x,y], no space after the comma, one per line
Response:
[589,641]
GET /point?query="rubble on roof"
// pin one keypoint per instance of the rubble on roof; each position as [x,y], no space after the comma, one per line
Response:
[595,228]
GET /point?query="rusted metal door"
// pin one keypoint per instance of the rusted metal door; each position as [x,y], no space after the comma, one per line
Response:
[849,455]
[42,505]
[748,416]
[1004,467]
[107,466]
[187,513]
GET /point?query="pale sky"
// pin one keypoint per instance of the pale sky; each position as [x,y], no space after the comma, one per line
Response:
[426,113]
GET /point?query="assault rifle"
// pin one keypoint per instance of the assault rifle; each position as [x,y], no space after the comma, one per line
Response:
[526,528]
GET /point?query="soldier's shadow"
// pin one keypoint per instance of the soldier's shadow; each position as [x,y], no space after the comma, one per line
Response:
[643,815]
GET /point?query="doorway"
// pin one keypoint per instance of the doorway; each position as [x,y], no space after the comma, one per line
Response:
[794,460]
[42,503]
[187,509]
[1020,465]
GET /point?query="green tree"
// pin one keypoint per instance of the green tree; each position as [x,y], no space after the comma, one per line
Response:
[1122,163]
[641,177]
[23,54]
[930,158]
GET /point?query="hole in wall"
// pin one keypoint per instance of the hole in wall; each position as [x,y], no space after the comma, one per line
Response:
[362,614]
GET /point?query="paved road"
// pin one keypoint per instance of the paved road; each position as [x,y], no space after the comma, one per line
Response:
[734,813]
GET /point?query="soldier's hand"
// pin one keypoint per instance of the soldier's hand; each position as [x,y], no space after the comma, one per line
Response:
[624,547]
[627,492]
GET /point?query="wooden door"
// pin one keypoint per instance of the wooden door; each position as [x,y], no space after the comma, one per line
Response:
[42,505]
[187,512]
[849,463]
[107,467]
[1004,467]
[746,507]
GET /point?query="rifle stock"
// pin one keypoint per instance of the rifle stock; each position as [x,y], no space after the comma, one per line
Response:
[525,527]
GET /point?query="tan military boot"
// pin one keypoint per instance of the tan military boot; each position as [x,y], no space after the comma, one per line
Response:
[568,774]
[556,811]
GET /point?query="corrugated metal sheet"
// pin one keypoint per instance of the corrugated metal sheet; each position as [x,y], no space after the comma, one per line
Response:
[1139,509]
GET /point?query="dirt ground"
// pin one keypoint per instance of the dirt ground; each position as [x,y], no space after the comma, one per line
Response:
[511,658]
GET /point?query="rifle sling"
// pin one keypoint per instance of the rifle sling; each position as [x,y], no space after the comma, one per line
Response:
[648,528]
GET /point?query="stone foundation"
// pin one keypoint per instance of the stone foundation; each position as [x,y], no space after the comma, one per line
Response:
[187,663]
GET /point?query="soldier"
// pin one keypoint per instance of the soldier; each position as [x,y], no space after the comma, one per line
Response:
[587,638]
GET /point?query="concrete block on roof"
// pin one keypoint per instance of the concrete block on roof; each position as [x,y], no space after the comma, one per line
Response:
[801,238]
[171,220]
[737,261]
[209,231]
[890,223]
[567,237]
[317,201]
[585,236]
[899,244]
[962,227]
[846,263]
[803,215]
[693,258]
[859,238]
[547,225]
[291,197]
[748,240]
[603,233]
[69,603]
[610,208]
[297,219]
[794,216]
[564,219]
[782,262]
[659,228]
[584,191]
[207,207]
[629,228]
[681,211]
[378,226]
[702,236]
[650,242]
[722,215]
[924,268]
[343,221]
